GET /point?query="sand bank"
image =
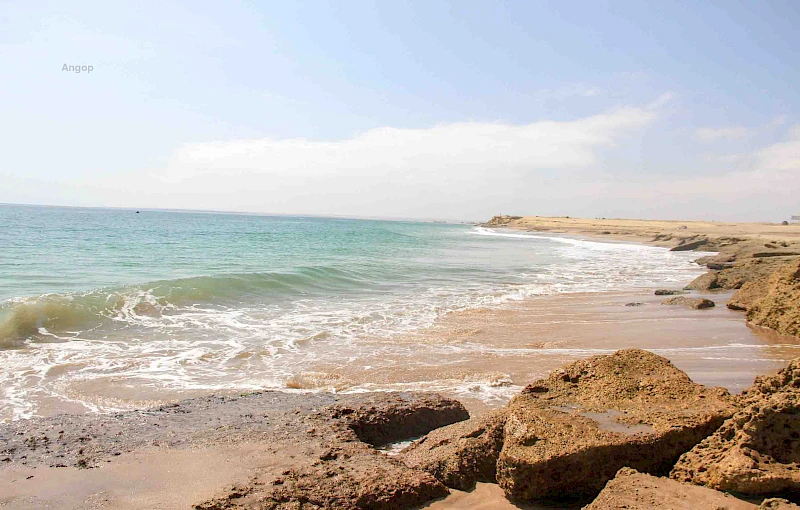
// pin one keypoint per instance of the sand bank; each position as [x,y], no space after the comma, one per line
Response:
[646,230]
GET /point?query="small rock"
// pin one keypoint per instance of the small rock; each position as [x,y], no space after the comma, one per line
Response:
[634,303]
[696,303]
[669,292]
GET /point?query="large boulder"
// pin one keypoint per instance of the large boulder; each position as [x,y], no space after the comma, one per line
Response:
[461,454]
[632,490]
[567,435]
[749,294]
[735,277]
[757,451]
[779,307]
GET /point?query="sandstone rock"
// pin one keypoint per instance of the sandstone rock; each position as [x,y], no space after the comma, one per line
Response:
[461,454]
[745,270]
[786,380]
[757,451]
[707,281]
[777,504]
[779,308]
[669,292]
[632,490]
[776,254]
[567,435]
[747,296]
[302,451]
[349,477]
[696,303]
[385,419]
[686,245]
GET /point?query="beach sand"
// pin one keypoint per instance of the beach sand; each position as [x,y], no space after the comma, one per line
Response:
[496,352]
[490,355]
[643,231]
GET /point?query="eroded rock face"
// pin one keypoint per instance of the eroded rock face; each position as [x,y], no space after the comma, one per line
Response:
[567,435]
[384,419]
[757,451]
[348,476]
[632,490]
[696,303]
[308,450]
[749,294]
[746,270]
[779,307]
[461,454]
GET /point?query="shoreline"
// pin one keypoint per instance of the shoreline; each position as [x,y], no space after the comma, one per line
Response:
[492,359]
[280,444]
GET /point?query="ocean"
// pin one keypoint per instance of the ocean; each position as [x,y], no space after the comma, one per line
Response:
[108,309]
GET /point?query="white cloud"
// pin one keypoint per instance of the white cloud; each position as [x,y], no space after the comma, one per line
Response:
[707,135]
[462,170]
[448,151]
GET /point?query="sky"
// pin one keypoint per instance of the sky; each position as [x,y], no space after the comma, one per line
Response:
[405,109]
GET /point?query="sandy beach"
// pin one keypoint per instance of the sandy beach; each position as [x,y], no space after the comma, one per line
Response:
[646,230]
[494,353]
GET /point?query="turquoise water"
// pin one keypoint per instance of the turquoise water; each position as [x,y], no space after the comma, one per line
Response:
[209,300]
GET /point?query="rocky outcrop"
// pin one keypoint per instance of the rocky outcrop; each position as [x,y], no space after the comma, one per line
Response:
[567,435]
[779,307]
[736,276]
[348,476]
[696,303]
[384,419]
[757,451]
[314,450]
[777,504]
[632,490]
[501,220]
[689,245]
[669,292]
[461,454]
[747,296]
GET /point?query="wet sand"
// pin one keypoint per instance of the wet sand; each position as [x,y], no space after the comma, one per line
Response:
[483,357]
[493,353]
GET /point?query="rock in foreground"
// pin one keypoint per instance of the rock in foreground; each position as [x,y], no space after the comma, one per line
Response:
[757,451]
[461,454]
[567,435]
[632,490]
[300,451]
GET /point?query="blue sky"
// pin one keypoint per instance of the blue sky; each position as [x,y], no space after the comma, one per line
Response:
[413,109]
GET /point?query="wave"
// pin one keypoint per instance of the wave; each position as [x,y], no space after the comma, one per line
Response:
[51,316]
